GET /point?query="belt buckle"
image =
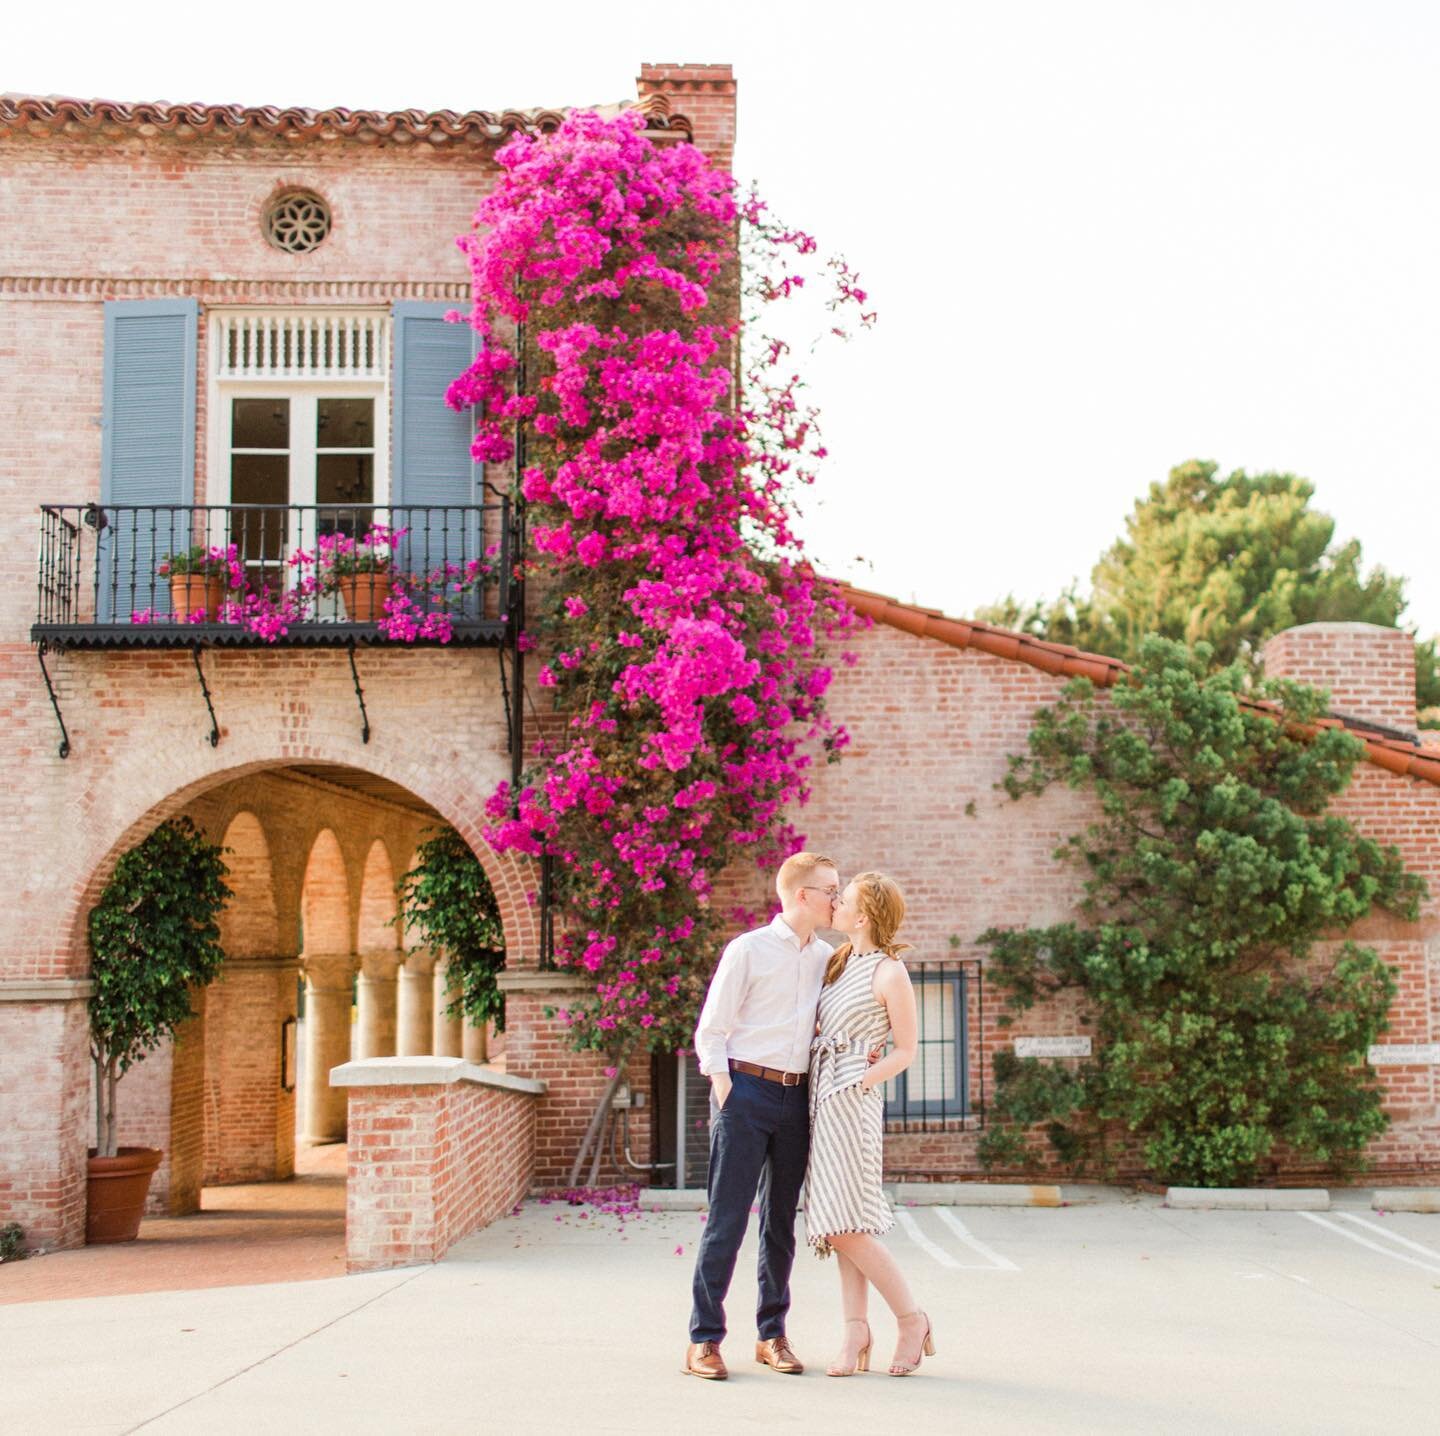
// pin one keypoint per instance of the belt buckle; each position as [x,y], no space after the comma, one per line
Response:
[785,1079]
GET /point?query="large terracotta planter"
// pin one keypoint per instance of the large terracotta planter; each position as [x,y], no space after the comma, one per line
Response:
[190,592]
[115,1192]
[364,595]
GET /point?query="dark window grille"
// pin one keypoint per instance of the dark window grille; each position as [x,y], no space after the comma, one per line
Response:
[936,1087]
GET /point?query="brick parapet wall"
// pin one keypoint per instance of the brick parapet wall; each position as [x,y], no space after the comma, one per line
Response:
[430,1162]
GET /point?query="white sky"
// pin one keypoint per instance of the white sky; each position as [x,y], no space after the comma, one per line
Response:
[1103,237]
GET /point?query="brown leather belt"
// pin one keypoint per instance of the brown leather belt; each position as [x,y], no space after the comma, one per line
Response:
[770,1074]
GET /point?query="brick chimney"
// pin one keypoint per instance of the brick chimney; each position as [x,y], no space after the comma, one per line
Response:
[1369,670]
[705,95]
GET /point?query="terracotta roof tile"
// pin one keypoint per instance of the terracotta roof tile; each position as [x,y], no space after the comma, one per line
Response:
[43,115]
[1394,755]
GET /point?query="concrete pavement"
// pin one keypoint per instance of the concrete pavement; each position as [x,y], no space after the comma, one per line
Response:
[1121,1316]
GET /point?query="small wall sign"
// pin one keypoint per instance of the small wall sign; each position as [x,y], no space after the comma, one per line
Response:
[1052,1046]
[1404,1054]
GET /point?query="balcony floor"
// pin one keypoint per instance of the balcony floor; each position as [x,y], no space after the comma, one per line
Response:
[468,633]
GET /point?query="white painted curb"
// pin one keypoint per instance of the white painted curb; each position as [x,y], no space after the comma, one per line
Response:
[667,1199]
[908,1194]
[1248,1199]
[974,1194]
[1406,1199]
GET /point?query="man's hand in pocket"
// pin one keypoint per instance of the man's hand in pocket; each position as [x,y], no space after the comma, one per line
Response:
[720,1084]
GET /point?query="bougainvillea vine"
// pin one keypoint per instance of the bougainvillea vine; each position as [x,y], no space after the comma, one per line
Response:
[680,631]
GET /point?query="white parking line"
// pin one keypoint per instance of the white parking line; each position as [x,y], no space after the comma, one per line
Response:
[912,1230]
[1365,1242]
[998,1262]
[1391,1236]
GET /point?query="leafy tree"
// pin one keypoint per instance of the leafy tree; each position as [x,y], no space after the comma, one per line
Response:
[448,899]
[1211,874]
[1224,561]
[153,936]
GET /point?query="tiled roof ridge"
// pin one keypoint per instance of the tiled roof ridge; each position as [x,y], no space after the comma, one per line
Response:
[59,114]
[1395,755]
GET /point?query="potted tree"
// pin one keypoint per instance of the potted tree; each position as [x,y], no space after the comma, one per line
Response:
[198,577]
[153,938]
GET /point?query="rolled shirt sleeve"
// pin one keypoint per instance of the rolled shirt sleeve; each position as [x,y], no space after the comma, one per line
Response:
[721,1010]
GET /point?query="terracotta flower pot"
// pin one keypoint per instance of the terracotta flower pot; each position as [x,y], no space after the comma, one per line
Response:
[115,1192]
[364,595]
[192,591]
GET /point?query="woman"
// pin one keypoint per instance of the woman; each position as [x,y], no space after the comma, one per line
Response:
[866,998]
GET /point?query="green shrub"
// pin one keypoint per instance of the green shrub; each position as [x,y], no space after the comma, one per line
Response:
[1210,876]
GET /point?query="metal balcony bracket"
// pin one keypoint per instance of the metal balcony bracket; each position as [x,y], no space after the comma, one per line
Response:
[54,702]
[360,695]
[501,654]
[205,689]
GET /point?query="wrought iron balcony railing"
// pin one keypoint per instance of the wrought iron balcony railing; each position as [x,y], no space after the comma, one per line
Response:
[250,575]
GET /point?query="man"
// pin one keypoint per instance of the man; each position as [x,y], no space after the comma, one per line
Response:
[753,1041]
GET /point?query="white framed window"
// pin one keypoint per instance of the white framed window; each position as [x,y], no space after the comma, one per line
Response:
[299,410]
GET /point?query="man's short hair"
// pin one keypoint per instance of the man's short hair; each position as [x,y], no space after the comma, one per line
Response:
[797,870]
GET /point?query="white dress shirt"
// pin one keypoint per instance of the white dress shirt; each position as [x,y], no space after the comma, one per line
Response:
[762,1000]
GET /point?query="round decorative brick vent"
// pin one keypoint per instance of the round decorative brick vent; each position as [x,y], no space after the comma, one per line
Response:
[297,221]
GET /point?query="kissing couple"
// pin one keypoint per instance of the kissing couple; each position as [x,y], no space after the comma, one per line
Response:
[791,1037]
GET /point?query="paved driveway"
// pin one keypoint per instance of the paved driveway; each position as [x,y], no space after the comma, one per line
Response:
[1116,1316]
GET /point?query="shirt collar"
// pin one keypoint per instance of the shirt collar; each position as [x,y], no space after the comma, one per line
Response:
[783,930]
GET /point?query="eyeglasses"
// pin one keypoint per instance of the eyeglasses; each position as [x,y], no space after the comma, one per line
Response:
[831,893]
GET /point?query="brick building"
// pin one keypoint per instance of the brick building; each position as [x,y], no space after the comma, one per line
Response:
[223,324]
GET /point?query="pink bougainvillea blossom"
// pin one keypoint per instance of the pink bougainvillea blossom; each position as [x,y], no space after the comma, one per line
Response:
[685,633]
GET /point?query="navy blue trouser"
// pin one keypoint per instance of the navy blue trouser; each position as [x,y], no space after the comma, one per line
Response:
[760,1138]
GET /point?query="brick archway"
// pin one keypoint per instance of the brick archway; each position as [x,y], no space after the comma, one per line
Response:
[513,877]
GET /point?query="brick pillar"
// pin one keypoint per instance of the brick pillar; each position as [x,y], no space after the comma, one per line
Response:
[416,1022]
[249,1117]
[46,1117]
[536,1046]
[379,975]
[1369,670]
[446,1039]
[185,1151]
[328,981]
[705,95]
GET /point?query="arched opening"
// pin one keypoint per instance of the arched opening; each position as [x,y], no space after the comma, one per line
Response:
[241,1102]
[328,964]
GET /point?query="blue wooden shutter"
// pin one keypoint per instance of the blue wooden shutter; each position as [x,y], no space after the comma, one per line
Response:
[431,442]
[147,449]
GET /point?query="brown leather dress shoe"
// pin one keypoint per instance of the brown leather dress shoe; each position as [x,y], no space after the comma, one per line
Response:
[777,1356]
[702,1358]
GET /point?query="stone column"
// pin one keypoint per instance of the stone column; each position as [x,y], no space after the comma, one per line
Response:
[375,1032]
[475,1043]
[415,1027]
[447,1029]
[328,982]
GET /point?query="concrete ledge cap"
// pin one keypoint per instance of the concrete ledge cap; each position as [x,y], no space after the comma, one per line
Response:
[1248,1199]
[1406,1199]
[54,989]
[533,980]
[428,1072]
[976,1194]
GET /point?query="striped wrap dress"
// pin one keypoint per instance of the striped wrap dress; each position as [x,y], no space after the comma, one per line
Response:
[847,1122]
